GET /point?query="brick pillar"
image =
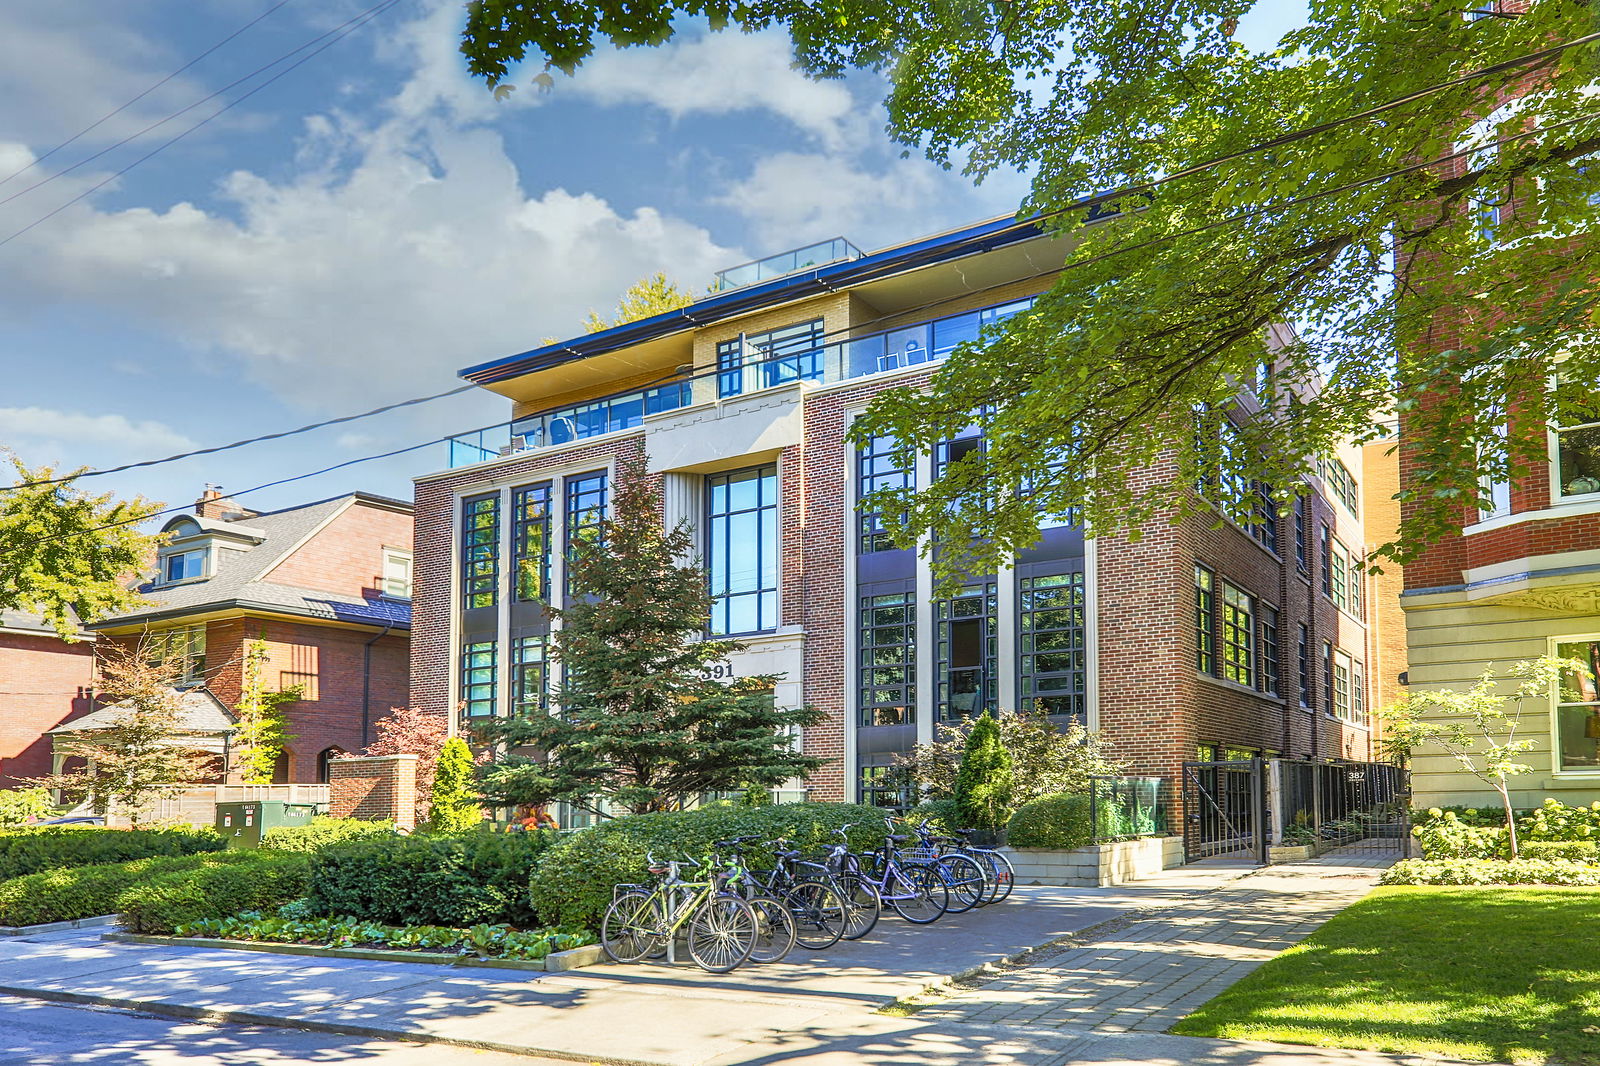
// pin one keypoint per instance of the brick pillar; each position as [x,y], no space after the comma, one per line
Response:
[378,787]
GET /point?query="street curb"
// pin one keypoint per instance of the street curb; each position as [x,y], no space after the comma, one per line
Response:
[322,951]
[58,927]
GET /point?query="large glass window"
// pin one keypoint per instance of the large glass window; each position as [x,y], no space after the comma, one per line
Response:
[1349,702]
[185,566]
[742,550]
[876,469]
[1577,739]
[967,650]
[1343,484]
[480,551]
[778,356]
[1238,635]
[530,675]
[184,647]
[478,679]
[1205,602]
[1052,643]
[888,660]
[586,509]
[1269,649]
[882,786]
[530,541]
[1577,440]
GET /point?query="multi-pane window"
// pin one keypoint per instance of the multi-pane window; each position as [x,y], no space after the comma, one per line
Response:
[775,357]
[586,510]
[1268,651]
[1205,605]
[888,660]
[530,675]
[480,551]
[1358,693]
[1342,483]
[967,651]
[1354,573]
[1327,561]
[530,541]
[877,469]
[883,786]
[742,550]
[1265,526]
[1327,676]
[1238,635]
[184,648]
[1303,663]
[1302,535]
[478,660]
[1577,440]
[1342,574]
[1577,709]
[1341,685]
[396,579]
[1052,639]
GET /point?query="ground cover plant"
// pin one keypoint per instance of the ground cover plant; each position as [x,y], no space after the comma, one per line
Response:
[1523,871]
[1489,975]
[29,849]
[293,924]
[72,892]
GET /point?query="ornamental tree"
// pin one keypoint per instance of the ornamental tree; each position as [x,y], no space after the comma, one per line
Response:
[262,715]
[1434,267]
[1044,760]
[643,723]
[456,808]
[983,789]
[408,731]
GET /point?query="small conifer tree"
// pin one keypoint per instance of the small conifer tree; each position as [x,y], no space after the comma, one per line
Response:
[983,782]
[456,808]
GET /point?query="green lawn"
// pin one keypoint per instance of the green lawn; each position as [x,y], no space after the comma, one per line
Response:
[1490,974]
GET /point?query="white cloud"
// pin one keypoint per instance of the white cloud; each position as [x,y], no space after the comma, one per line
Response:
[41,436]
[796,197]
[720,74]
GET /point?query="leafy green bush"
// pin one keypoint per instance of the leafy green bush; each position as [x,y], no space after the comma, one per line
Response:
[984,779]
[1554,820]
[73,892]
[1492,872]
[291,927]
[257,880]
[17,805]
[943,816]
[1060,821]
[572,885]
[430,880]
[321,833]
[1447,836]
[29,849]
[456,806]
[1575,850]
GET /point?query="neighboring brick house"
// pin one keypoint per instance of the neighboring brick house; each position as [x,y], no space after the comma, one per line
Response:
[44,682]
[739,404]
[327,585]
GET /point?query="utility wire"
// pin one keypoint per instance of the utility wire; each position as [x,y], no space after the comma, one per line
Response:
[1243,216]
[113,114]
[343,31]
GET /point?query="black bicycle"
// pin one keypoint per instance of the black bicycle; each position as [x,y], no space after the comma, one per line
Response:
[818,908]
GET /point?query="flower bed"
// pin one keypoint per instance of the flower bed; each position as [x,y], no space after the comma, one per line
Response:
[1492,872]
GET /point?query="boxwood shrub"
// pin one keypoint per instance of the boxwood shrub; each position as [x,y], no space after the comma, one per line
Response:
[255,881]
[321,833]
[27,850]
[572,885]
[1060,820]
[1492,872]
[461,879]
[89,891]
[1576,850]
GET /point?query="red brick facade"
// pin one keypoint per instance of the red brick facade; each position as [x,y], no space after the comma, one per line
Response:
[44,682]
[377,788]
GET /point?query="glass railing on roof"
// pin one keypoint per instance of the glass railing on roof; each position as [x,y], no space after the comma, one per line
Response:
[776,266]
[752,370]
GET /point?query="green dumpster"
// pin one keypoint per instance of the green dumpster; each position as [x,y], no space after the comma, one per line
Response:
[241,824]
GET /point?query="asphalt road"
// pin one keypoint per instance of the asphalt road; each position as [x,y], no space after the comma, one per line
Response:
[37,1033]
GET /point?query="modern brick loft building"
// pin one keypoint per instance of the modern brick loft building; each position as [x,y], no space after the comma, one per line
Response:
[1190,641]
[327,585]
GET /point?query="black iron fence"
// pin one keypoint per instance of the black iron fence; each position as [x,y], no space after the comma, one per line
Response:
[1332,804]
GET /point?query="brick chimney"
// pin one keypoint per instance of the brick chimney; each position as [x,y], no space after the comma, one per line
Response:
[213,504]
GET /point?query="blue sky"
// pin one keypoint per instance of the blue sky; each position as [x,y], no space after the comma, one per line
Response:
[373,221]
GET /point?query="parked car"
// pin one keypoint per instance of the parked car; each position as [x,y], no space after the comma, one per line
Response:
[74,819]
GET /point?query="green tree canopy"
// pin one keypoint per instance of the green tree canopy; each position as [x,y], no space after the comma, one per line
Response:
[983,780]
[645,297]
[65,552]
[644,725]
[1431,267]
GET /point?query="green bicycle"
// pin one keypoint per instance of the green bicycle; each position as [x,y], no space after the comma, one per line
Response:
[643,920]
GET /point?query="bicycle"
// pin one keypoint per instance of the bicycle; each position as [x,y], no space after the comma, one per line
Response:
[866,906]
[722,927]
[1002,877]
[776,930]
[817,905]
[916,892]
[967,878]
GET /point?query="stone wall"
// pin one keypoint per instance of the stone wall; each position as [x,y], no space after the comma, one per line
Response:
[1098,864]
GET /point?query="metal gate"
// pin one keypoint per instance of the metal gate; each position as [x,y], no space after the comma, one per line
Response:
[1224,810]
[1359,806]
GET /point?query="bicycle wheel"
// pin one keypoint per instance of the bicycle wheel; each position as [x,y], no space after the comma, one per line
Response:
[968,886]
[722,934]
[820,914]
[918,894]
[865,906]
[1004,877]
[629,932]
[775,932]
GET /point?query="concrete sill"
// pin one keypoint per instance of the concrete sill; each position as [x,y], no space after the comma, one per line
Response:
[57,927]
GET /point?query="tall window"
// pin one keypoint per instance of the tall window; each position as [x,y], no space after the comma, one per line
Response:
[880,786]
[478,679]
[1577,710]
[1327,676]
[480,551]
[1341,686]
[1303,664]
[185,648]
[1355,575]
[742,550]
[396,579]
[967,650]
[530,541]
[1577,440]
[876,469]
[1342,483]
[586,509]
[1205,605]
[888,660]
[1327,561]
[1265,526]
[1269,649]
[530,675]
[778,356]
[1238,635]
[1302,535]
[1052,637]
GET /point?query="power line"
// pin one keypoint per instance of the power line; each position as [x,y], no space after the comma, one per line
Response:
[1243,216]
[343,31]
[114,113]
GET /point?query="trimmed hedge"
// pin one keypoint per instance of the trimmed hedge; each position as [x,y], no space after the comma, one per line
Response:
[1492,872]
[28,850]
[1480,832]
[322,833]
[1575,850]
[89,891]
[455,880]
[1060,820]
[256,881]
[572,885]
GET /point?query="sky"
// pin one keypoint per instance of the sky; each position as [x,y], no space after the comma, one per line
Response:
[372,221]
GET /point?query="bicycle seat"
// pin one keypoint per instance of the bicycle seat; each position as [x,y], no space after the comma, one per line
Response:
[787,854]
[964,834]
[660,870]
[896,839]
